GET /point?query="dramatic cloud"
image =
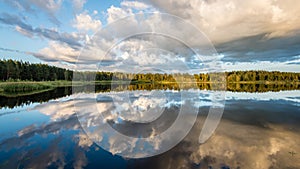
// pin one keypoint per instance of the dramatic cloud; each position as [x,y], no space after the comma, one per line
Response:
[258,48]
[243,30]
[228,20]
[142,41]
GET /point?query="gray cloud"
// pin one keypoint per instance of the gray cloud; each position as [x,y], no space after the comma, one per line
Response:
[258,48]
[250,31]
[31,6]
[78,4]
[13,50]
[14,20]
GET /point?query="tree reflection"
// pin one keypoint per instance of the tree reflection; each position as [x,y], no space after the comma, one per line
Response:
[59,92]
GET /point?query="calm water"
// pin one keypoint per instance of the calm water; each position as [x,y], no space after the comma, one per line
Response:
[257,130]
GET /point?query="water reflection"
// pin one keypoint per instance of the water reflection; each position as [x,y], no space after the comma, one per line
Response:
[33,98]
[256,131]
[12,102]
[235,145]
[137,124]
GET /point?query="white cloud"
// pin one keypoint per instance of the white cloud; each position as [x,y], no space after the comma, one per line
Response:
[84,22]
[137,51]
[135,5]
[227,20]
[127,8]
[114,13]
[59,52]
[221,21]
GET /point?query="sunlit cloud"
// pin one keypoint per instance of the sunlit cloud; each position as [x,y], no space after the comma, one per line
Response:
[241,31]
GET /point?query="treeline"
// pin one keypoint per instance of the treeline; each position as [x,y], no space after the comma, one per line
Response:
[18,70]
[229,77]
[262,76]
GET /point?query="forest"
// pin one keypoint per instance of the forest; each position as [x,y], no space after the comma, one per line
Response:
[18,70]
[11,70]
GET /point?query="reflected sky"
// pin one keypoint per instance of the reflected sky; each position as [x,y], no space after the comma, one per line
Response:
[256,131]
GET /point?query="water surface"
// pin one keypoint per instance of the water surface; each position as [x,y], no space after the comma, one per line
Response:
[257,130]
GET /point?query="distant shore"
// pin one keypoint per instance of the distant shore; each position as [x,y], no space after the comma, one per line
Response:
[23,78]
[21,88]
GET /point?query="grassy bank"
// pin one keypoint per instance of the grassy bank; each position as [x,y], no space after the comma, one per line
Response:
[23,87]
[27,87]
[19,88]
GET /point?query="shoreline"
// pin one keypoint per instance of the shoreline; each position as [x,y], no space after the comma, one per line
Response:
[23,88]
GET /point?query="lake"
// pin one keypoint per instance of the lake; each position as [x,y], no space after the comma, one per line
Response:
[83,129]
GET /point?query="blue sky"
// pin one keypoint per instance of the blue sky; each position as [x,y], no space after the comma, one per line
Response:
[39,17]
[251,34]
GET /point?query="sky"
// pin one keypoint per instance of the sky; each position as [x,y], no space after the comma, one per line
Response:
[169,35]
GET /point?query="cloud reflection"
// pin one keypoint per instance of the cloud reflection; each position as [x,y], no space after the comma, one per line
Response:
[252,134]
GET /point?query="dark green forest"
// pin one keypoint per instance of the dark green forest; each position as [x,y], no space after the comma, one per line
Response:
[11,70]
[18,70]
